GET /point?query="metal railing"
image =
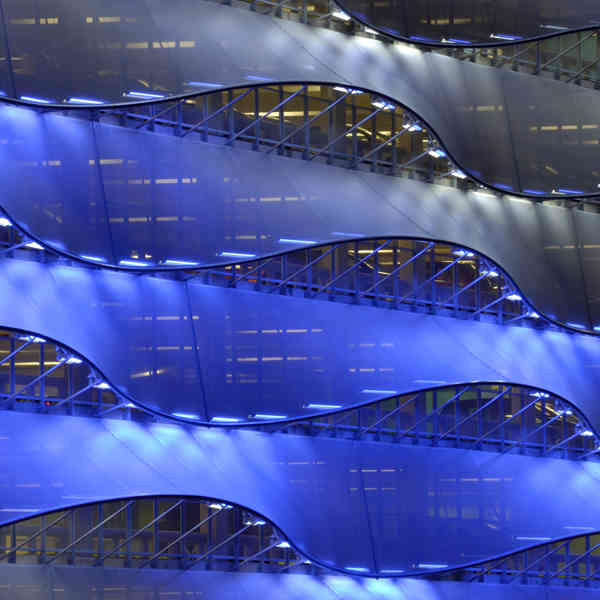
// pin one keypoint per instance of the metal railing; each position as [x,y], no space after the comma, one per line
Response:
[494,417]
[572,57]
[337,125]
[573,562]
[155,532]
[413,275]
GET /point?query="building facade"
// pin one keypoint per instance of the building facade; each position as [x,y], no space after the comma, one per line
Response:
[299,300]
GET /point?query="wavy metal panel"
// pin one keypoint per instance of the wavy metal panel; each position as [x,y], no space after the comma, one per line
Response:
[108,192]
[481,113]
[344,503]
[476,22]
[136,330]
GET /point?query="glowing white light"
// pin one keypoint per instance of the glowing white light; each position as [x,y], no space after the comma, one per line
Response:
[225,420]
[341,15]
[133,263]
[180,263]
[34,246]
[347,90]
[185,415]
[436,153]
[266,416]
[463,253]
[84,101]
[383,104]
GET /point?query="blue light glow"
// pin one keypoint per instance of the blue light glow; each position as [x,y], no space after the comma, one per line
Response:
[419,38]
[570,191]
[358,569]
[180,263]
[514,297]
[505,36]
[324,406]
[4,222]
[526,538]
[283,544]
[204,84]
[267,416]
[292,241]
[354,235]
[431,566]
[133,263]
[535,192]
[258,78]
[84,101]
[391,571]
[576,325]
[238,254]
[369,391]
[503,186]
[93,258]
[457,41]
[225,420]
[34,99]
[31,338]
[148,95]
[596,327]
[185,415]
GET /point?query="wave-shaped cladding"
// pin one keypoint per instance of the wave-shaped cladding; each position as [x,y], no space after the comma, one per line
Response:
[399,498]
[481,112]
[476,23]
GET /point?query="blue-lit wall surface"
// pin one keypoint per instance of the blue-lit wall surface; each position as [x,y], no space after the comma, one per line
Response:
[367,506]
[25,583]
[108,192]
[259,352]
[479,23]
[481,113]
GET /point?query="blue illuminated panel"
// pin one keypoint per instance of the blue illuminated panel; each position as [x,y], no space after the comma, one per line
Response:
[399,500]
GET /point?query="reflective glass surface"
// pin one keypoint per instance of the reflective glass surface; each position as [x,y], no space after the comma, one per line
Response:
[109,194]
[347,504]
[258,352]
[481,113]
[478,22]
